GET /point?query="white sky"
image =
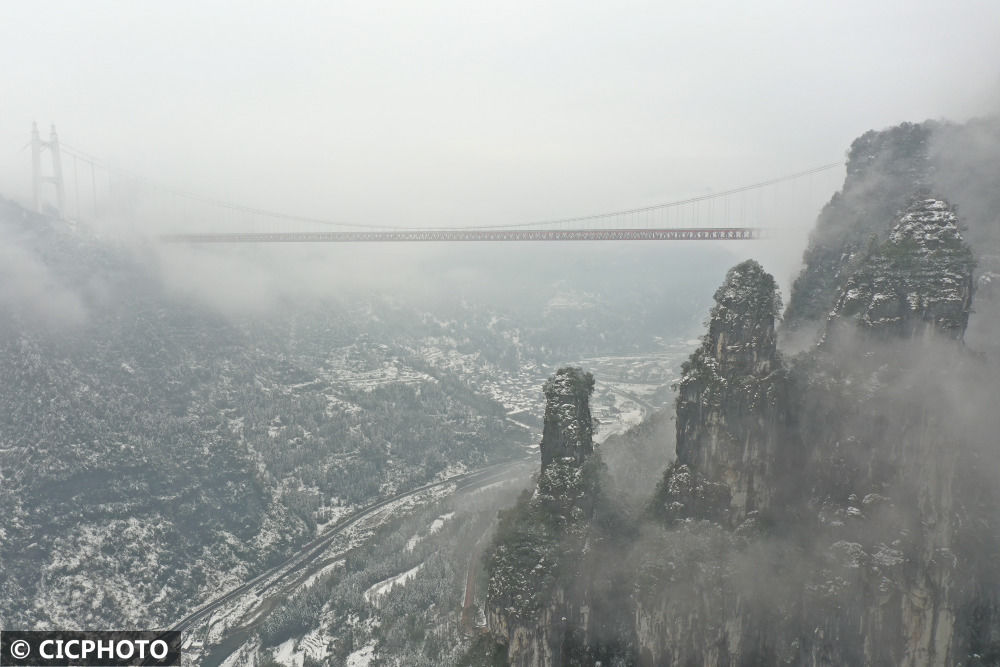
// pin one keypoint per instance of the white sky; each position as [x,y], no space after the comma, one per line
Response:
[475,112]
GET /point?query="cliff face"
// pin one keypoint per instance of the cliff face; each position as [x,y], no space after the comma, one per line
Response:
[734,451]
[884,169]
[568,430]
[918,281]
[731,407]
[838,506]
[844,536]
[537,599]
[885,452]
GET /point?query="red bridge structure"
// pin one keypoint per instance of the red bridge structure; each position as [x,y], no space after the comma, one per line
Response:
[690,234]
[95,191]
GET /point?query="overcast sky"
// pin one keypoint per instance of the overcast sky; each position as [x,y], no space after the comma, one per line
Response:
[471,112]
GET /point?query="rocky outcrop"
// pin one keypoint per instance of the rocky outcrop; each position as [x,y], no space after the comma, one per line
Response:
[837,507]
[884,169]
[885,454]
[741,324]
[537,601]
[886,558]
[568,430]
[731,407]
[916,282]
[684,494]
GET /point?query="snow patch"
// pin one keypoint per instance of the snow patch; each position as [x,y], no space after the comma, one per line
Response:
[287,655]
[362,657]
[439,522]
[378,590]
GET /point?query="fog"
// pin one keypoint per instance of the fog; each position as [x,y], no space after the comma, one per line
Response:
[394,113]
[30,291]
[888,464]
[282,388]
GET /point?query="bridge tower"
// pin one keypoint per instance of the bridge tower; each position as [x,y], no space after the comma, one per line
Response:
[56,179]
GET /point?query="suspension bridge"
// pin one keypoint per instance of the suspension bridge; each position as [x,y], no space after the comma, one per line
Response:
[742,213]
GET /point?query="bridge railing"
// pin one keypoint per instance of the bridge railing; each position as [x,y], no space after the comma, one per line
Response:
[467,235]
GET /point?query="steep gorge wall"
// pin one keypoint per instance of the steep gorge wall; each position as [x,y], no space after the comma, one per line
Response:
[886,452]
[838,506]
[732,404]
[537,598]
[881,491]
[860,561]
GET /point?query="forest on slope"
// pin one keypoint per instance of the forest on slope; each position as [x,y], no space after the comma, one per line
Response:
[166,436]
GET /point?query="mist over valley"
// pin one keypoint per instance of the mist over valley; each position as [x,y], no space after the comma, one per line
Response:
[527,335]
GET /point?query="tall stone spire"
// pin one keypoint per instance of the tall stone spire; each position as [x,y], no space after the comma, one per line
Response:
[569,429]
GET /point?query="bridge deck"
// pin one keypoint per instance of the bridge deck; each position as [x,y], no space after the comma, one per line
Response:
[409,236]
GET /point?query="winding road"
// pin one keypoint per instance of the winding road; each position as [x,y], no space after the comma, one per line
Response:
[276,583]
